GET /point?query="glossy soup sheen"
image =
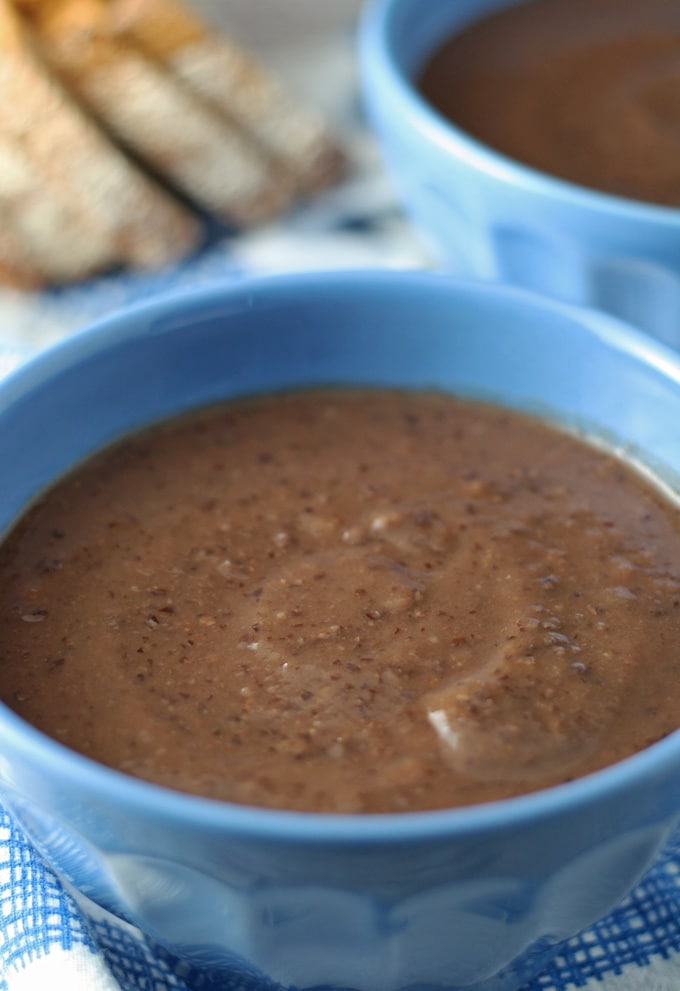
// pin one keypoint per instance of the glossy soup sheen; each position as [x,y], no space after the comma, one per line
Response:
[353,601]
[587,90]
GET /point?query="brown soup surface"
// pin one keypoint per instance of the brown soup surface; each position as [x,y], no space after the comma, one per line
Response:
[350,601]
[587,90]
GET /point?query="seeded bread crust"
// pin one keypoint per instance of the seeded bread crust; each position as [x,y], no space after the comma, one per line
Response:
[123,123]
[72,202]
[176,135]
[234,83]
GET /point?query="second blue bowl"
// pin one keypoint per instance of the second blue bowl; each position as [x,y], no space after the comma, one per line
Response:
[491,217]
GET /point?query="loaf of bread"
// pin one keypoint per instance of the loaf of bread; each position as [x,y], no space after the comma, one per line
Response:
[123,123]
[71,202]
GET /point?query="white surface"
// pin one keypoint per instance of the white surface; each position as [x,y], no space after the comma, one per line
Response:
[77,969]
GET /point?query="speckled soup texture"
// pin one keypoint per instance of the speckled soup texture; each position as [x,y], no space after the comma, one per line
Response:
[347,601]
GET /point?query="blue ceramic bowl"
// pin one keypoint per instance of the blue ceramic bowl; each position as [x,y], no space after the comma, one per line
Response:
[477,897]
[490,217]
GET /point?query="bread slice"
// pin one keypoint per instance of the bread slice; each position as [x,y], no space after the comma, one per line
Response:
[71,199]
[45,233]
[211,65]
[17,268]
[156,118]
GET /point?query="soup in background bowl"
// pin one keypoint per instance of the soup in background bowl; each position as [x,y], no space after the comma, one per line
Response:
[479,896]
[535,143]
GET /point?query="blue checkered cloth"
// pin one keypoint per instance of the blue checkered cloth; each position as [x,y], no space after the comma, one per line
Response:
[45,942]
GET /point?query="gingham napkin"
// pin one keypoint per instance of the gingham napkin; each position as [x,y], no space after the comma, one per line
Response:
[45,942]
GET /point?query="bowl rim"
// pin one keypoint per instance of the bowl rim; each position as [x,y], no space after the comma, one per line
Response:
[381,69]
[124,791]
